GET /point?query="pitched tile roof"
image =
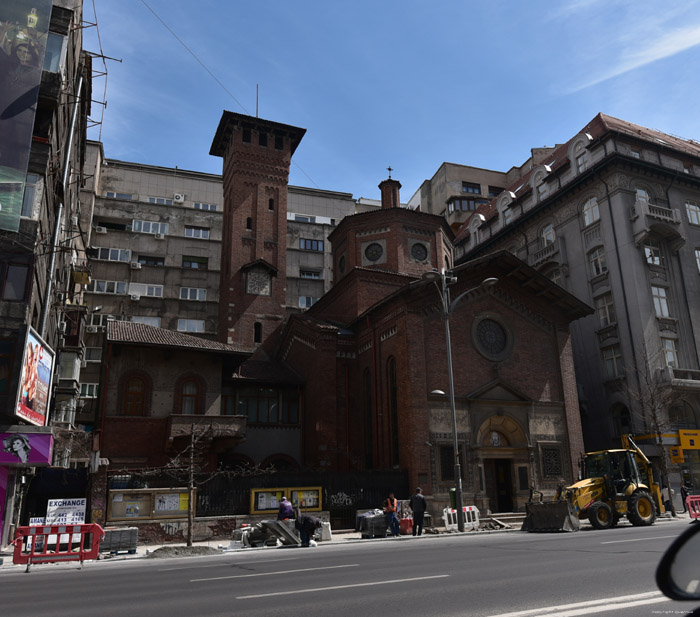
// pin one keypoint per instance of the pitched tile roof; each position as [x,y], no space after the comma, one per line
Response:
[141,334]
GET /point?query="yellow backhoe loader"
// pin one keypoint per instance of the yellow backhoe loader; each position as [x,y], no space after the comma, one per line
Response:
[614,483]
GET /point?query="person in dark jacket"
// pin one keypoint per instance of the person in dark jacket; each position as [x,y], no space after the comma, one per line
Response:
[306,525]
[685,486]
[286,510]
[418,506]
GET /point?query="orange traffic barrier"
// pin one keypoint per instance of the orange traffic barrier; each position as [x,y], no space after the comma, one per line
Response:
[51,543]
[692,502]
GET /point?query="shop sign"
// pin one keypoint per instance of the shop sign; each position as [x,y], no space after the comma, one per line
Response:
[676,453]
[690,440]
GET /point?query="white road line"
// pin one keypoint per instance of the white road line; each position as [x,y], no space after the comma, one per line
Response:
[583,608]
[221,578]
[228,563]
[317,589]
[639,539]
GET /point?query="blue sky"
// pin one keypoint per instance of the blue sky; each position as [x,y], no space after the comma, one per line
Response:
[404,83]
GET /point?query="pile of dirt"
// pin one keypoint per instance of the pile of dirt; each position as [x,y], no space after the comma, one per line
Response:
[166,552]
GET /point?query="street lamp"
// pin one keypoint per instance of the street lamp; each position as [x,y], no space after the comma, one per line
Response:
[448,307]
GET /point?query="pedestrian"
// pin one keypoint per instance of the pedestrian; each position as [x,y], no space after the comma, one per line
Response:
[390,512]
[286,510]
[417,504]
[685,486]
[306,525]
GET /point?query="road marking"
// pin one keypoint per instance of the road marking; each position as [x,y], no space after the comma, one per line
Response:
[335,587]
[584,608]
[638,539]
[223,565]
[221,578]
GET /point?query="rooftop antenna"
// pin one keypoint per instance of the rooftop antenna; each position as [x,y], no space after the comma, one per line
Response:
[256,100]
[389,169]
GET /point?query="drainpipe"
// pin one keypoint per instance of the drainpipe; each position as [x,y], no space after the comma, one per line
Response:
[59,214]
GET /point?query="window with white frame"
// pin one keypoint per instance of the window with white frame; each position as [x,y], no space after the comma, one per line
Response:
[195,263]
[107,287]
[307,244]
[612,359]
[193,293]
[89,390]
[670,351]
[507,216]
[190,325]
[605,310]
[309,274]
[642,195]
[201,206]
[147,320]
[30,187]
[660,301]
[693,211]
[151,260]
[652,252]
[163,201]
[556,277]
[197,232]
[596,259]
[144,289]
[114,195]
[581,158]
[149,227]
[547,235]
[93,354]
[112,254]
[590,211]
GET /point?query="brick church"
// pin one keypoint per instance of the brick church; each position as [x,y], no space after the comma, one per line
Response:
[369,358]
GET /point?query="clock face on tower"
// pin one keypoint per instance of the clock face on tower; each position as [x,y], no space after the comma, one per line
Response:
[374,252]
[258,283]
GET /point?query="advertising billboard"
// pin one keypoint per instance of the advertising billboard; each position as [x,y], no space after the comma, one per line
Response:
[20,448]
[34,387]
[24,26]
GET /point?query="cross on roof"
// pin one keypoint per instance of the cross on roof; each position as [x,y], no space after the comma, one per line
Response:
[389,169]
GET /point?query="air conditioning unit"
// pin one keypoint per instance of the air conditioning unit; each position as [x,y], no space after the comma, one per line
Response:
[62,326]
[179,198]
[91,329]
[159,236]
[135,297]
[100,230]
[135,265]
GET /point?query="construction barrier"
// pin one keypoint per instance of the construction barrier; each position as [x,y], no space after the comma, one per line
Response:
[471,518]
[692,503]
[51,543]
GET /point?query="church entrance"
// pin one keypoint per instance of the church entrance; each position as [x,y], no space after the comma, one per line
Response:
[499,484]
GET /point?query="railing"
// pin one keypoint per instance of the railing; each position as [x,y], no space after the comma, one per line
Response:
[658,212]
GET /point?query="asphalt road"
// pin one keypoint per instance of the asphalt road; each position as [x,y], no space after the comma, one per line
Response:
[486,575]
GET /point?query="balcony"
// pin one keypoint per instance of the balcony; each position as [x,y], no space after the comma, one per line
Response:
[554,251]
[681,378]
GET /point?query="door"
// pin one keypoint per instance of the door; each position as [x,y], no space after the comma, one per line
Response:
[504,485]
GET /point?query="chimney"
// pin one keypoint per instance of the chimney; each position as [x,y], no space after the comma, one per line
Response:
[390,193]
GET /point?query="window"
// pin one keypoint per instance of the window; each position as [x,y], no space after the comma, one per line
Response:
[447,463]
[541,190]
[262,406]
[271,204]
[279,142]
[660,301]
[190,325]
[149,227]
[193,293]
[107,287]
[257,332]
[110,254]
[88,390]
[119,195]
[195,263]
[144,319]
[622,420]
[309,274]
[262,139]
[507,216]
[548,235]
[471,187]
[249,224]
[201,206]
[465,204]
[197,232]
[495,191]
[642,195]
[144,289]
[606,310]
[306,244]
[581,158]
[29,193]
[304,218]
[590,211]
[693,211]
[637,154]
[159,200]
[93,354]
[54,58]
[134,397]
[307,301]
[555,277]
[612,359]
[697,258]
[551,461]
[14,286]
[150,260]
[596,259]
[652,252]
[670,351]
[245,136]
[189,392]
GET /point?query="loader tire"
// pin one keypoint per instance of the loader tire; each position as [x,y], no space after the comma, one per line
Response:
[600,515]
[640,509]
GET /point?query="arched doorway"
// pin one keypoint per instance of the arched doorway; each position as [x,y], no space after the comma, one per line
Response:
[502,448]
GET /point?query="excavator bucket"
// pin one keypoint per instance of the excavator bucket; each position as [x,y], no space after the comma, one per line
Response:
[543,516]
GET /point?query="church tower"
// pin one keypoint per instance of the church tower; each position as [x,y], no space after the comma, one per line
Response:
[257,154]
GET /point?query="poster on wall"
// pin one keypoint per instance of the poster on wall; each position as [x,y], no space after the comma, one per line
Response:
[35,378]
[21,448]
[24,26]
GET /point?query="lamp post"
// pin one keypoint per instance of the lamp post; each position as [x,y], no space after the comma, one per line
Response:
[448,307]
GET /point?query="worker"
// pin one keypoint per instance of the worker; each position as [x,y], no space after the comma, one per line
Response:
[306,525]
[390,511]
[286,510]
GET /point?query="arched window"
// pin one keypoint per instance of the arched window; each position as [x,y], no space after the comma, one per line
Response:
[393,408]
[682,416]
[134,394]
[547,235]
[189,398]
[271,204]
[590,211]
[189,395]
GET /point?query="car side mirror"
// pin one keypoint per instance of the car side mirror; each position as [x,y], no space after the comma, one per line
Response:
[678,574]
